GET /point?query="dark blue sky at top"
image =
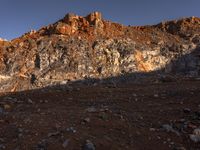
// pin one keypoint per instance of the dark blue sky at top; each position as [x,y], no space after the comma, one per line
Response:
[20,16]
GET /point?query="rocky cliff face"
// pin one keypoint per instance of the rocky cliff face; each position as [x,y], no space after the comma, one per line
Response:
[76,48]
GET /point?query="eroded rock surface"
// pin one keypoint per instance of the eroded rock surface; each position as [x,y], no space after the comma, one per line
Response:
[76,48]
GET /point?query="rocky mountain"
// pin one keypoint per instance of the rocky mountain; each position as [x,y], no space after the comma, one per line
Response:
[78,48]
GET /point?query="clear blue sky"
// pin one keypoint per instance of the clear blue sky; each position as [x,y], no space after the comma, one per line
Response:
[20,16]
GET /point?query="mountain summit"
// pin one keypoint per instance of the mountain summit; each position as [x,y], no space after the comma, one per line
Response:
[78,48]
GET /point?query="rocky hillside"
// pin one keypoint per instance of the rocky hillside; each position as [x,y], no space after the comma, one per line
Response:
[78,48]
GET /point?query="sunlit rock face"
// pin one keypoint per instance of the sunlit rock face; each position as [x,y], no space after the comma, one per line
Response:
[72,24]
[79,48]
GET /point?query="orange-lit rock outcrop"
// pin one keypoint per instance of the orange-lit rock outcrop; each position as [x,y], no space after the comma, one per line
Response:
[76,48]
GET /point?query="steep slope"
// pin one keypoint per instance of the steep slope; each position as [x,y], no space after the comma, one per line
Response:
[76,48]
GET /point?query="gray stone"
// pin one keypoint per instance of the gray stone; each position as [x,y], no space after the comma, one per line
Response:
[169,128]
[196,131]
[71,129]
[195,138]
[65,143]
[2,147]
[91,110]
[88,145]
[53,134]
[186,110]
[1,110]
[30,101]
[42,145]
[86,120]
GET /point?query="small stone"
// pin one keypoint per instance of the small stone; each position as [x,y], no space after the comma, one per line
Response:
[104,109]
[169,128]
[195,138]
[179,148]
[152,129]
[168,139]
[134,95]
[6,106]
[158,137]
[196,131]
[2,146]
[88,145]
[20,130]
[10,99]
[42,145]
[71,129]
[186,110]
[53,134]
[182,120]
[30,101]
[91,110]
[65,143]
[156,95]
[1,110]
[87,120]
[190,125]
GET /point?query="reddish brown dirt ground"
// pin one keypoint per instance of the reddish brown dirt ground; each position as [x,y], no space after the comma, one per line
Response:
[112,117]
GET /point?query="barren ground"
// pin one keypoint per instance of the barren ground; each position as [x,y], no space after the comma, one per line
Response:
[126,116]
